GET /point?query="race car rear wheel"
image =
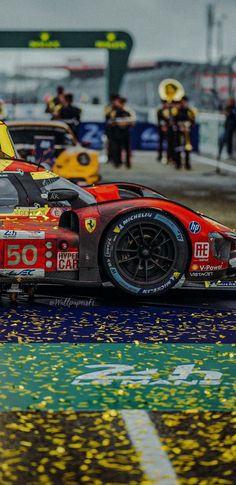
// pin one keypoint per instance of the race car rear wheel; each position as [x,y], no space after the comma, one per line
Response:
[145,252]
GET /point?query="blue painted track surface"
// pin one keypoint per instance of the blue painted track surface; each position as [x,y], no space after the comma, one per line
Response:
[38,323]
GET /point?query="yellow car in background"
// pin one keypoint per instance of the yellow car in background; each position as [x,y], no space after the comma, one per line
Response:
[7,149]
[69,159]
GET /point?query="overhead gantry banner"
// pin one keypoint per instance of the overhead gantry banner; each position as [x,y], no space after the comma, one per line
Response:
[117,43]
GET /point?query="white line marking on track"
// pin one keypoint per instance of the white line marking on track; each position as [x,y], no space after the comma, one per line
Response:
[214,163]
[153,459]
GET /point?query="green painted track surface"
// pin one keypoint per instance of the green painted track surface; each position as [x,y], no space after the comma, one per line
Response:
[92,377]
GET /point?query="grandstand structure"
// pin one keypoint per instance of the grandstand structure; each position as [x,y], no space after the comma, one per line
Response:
[206,84]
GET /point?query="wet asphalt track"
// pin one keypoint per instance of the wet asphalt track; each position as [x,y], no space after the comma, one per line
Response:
[53,431]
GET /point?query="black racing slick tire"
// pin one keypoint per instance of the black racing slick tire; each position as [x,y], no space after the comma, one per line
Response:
[145,252]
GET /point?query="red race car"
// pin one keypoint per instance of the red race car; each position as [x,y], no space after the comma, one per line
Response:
[54,232]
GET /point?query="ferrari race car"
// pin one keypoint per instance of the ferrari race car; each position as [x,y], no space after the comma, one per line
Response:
[56,143]
[52,231]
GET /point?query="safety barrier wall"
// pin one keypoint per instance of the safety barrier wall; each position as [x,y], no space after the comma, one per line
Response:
[205,134]
[144,136]
[211,128]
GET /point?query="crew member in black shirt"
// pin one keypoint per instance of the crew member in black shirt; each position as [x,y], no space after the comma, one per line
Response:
[107,112]
[120,120]
[186,119]
[70,113]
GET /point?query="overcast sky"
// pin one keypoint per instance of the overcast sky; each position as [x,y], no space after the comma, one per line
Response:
[174,29]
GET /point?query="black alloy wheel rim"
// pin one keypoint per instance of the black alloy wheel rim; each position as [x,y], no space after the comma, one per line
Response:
[145,253]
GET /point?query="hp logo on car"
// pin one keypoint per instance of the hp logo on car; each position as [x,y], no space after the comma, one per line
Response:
[194,227]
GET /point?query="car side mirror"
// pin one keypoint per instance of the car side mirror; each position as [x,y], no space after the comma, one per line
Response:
[59,195]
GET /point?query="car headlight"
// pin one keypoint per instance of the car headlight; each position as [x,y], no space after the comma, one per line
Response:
[232,235]
[83,158]
[220,246]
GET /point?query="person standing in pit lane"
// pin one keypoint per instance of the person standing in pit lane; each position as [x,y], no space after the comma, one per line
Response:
[173,136]
[120,122]
[130,117]
[55,104]
[163,125]
[70,114]
[185,119]
[107,111]
[229,128]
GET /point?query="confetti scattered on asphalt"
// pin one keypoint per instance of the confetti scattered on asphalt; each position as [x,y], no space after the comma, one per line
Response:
[94,448]
[202,446]
[67,448]
[37,323]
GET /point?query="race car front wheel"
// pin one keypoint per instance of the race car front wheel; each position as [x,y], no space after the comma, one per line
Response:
[145,252]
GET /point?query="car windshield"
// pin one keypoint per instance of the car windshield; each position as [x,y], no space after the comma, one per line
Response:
[59,183]
[26,135]
[8,193]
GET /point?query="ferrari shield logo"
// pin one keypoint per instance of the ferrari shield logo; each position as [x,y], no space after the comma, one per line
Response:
[90,224]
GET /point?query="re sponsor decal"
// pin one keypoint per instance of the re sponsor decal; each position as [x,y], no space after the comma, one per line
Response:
[54,196]
[67,261]
[109,247]
[117,229]
[31,211]
[207,267]
[43,175]
[26,272]
[176,274]
[201,250]
[56,211]
[111,42]
[163,287]
[142,291]
[221,284]
[194,227]
[10,234]
[44,41]
[134,217]
[201,274]
[90,224]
